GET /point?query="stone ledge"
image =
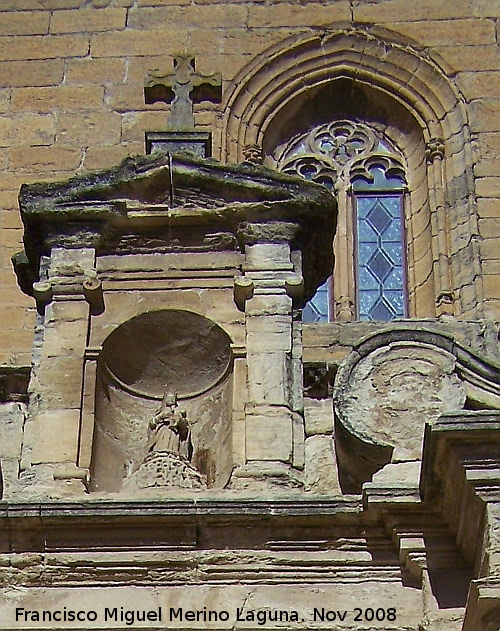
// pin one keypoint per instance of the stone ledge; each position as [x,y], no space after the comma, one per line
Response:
[180,508]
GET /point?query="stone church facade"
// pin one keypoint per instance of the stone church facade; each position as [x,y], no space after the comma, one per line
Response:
[249,361]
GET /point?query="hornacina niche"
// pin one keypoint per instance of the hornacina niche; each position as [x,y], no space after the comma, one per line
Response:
[163,405]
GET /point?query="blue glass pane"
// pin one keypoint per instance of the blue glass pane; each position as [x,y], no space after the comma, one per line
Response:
[366,251]
[366,300]
[379,218]
[395,279]
[380,257]
[367,280]
[366,233]
[380,181]
[316,310]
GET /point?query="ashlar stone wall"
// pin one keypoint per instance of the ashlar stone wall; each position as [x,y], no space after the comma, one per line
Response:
[71,95]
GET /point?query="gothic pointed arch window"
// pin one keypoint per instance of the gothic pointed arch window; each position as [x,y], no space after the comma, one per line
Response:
[366,172]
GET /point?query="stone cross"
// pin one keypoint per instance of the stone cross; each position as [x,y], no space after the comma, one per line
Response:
[183,87]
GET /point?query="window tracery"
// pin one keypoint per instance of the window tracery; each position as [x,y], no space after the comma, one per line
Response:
[366,172]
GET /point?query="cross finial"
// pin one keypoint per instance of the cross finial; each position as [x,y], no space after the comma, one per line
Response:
[183,87]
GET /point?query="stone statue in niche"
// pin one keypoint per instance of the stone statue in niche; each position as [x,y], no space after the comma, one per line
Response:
[169,429]
[167,463]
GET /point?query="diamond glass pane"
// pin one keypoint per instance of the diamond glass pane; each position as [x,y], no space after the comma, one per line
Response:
[316,310]
[380,279]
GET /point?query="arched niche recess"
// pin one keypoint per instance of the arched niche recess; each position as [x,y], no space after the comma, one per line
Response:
[376,76]
[173,354]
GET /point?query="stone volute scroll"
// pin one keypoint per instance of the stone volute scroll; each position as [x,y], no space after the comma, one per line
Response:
[391,385]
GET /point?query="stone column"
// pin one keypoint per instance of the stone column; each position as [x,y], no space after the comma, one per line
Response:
[440,228]
[50,462]
[274,434]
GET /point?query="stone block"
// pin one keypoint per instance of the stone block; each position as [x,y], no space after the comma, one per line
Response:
[55,436]
[88,20]
[491,285]
[100,71]
[239,384]
[308,14]
[475,85]
[268,378]
[34,129]
[45,158]
[47,99]
[485,115]
[318,416]
[447,32]
[43,47]
[12,416]
[488,187]
[268,256]
[268,333]
[486,8]
[160,3]
[63,4]
[35,73]
[90,128]
[15,340]
[132,43]
[321,472]
[380,12]
[67,311]
[268,434]
[239,440]
[489,228]
[59,382]
[487,166]
[21,5]
[71,262]
[65,339]
[195,16]
[25,23]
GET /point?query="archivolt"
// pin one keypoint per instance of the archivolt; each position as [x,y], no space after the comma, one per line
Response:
[300,63]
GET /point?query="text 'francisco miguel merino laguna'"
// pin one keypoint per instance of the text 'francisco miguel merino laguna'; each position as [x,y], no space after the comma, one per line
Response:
[171,614]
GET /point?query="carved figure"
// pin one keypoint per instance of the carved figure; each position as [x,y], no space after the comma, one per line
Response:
[169,429]
[167,463]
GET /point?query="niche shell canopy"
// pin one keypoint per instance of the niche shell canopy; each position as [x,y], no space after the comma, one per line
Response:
[165,203]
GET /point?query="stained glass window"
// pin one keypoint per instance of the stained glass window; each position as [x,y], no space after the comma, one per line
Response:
[380,257]
[317,309]
[368,281]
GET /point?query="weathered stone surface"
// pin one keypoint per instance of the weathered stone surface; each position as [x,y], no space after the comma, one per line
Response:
[391,383]
[393,389]
[247,598]
[269,435]
[55,436]
[12,417]
[318,416]
[321,472]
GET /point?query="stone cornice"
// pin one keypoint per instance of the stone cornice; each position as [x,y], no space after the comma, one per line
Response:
[177,203]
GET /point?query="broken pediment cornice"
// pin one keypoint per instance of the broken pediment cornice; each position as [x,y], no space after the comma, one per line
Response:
[176,181]
[179,200]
